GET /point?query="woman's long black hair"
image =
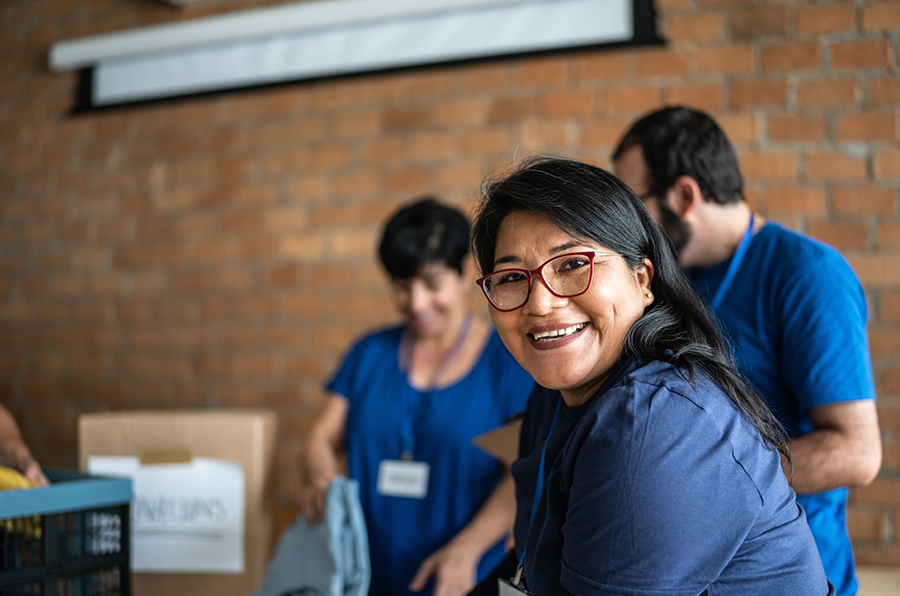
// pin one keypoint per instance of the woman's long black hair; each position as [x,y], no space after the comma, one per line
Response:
[589,202]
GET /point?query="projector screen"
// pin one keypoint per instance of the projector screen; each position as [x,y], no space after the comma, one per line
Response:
[444,32]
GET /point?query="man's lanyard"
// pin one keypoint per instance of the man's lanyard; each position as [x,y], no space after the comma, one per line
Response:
[538,489]
[410,417]
[733,267]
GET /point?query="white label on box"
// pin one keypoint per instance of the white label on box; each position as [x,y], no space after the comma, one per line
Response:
[184,517]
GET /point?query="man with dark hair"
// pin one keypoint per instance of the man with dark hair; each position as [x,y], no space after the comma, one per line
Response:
[792,307]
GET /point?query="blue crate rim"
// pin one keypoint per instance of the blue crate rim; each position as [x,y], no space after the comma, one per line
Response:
[69,491]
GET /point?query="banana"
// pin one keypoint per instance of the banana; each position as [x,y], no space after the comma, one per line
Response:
[12,479]
[30,526]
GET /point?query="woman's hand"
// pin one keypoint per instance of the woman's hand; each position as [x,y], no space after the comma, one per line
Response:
[313,501]
[454,568]
[320,465]
[33,473]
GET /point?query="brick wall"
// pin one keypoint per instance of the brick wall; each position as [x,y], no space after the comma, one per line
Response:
[219,251]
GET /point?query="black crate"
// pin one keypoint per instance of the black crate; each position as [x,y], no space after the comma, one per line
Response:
[67,539]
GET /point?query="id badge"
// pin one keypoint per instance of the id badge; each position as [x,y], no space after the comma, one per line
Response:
[402,478]
[505,588]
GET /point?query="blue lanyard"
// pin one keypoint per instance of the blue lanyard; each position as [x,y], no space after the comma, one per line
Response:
[539,488]
[410,418]
[733,267]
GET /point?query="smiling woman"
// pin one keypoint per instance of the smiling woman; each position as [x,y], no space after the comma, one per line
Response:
[646,465]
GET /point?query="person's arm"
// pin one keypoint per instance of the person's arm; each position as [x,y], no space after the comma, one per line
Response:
[13,451]
[843,450]
[455,566]
[320,459]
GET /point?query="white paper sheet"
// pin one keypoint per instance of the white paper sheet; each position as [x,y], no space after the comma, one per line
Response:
[186,517]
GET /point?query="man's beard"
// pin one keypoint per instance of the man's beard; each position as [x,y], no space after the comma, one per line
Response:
[678,230]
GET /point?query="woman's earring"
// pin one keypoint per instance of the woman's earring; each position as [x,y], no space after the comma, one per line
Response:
[649,294]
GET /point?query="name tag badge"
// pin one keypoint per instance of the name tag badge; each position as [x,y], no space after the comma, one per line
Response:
[401,478]
[504,588]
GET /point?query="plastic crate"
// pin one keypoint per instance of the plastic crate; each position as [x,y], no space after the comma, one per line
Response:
[67,539]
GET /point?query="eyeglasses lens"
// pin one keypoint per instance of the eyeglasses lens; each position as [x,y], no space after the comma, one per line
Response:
[565,275]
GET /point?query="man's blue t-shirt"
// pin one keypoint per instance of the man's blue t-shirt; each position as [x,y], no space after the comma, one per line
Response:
[404,531]
[796,314]
[657,485]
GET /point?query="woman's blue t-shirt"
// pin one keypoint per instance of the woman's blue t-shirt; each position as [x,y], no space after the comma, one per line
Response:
[657,486]
[404,531]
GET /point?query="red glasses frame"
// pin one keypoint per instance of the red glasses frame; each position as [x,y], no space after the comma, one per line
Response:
[539,270]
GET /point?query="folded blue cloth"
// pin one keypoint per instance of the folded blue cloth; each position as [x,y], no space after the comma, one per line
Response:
[329,559]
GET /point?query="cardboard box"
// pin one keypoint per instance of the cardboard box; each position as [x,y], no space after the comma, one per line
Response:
[502,442]
[243,436]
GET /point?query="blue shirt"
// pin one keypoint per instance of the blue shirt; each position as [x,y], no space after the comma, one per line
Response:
[796,316]
[657,485]
[404,531]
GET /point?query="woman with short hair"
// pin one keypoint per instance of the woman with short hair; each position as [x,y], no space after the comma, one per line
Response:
[404,406]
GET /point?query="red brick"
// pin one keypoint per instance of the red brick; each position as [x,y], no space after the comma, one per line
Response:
[405,119]
[725,59]
[754,23]
[408,180]
[760,93]
[888,414]
[569,103]
[826,19]
[668,5]
[884,342]
[791,56]
[432,83]
[662,63]
[359,123]
[349,214]
[694,27]
[867,127]
[461,112]
[843,236]
[541,137]
[861,54]
[890,311]
[605,134]
[486,141]
[834,166]
[768,165]
[740,128]
[360,183]
[883,491]
[256,195]
[884,91]
[707,97]
[887,164]
[601,66]
[827,93]
[467,174]
[860,200]
[512,108]
[867,525]
[544,71]
[881,16]
[795,199]
[383,149]
[797,128]
[632,99]
[880,270]
[487,77]
[889,382]
[425,147]
[331,155]
[889,234]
